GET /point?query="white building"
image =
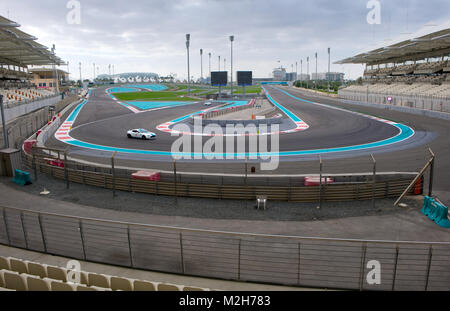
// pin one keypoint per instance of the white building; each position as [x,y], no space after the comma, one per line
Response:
[279,74]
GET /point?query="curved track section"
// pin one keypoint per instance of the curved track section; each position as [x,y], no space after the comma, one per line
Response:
[332,130]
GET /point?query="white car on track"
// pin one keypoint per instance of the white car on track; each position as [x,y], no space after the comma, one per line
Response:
[141,134]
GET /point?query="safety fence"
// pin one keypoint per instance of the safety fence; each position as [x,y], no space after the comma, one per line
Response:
[287,260]
[344,188]
[432,103]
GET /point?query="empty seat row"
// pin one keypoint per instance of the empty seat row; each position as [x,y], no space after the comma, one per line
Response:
[21,275]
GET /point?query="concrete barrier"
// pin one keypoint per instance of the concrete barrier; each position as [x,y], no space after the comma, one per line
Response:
[17,111]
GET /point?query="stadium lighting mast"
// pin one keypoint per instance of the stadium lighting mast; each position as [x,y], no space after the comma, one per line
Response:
[307,72]
[316,80]
[329,64]
[188,41]
[94,73]
[201,65]
[301,72]
[81,80]
[296,70]
[219,62]
[231,41]
[209,54]
[55,73]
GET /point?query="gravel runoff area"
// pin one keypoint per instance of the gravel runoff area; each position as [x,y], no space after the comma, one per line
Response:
[210,208]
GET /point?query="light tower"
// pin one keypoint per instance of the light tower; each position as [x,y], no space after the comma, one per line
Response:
[81,80]
[307,72]
[209,54]
[201,65]
[55,73]
[317,78]
[231,41]
[188,39]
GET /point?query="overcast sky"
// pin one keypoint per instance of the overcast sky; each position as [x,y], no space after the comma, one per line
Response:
[149,35]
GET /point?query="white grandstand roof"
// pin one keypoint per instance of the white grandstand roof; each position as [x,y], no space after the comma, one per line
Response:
[21,49]
[423,45]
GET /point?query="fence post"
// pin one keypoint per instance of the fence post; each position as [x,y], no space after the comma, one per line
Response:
[113,174]
[129,246]
[299,263]
[6,227]
[430,184]
[66,172]
[44,242]
[80,228]
[33,163]
[363,261]
[24,230]
[395,268]
[430,257]
[320,180]
[239,260]
[175,179]
[246,170]
[374,181]
[181,253]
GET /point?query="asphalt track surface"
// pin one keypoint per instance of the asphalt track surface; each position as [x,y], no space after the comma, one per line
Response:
[103,122]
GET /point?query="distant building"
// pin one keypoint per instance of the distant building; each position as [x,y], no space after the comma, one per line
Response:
[291,76]
[328,76]
[279,74]
[259,80]
[304,77]
[45,78]
[335,76]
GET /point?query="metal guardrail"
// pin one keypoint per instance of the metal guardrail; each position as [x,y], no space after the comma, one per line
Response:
[218,187]
[287,260]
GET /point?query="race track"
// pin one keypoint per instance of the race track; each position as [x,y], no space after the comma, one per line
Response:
[332,133]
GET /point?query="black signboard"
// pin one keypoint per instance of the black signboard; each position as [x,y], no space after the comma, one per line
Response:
[219,78]
[245,78]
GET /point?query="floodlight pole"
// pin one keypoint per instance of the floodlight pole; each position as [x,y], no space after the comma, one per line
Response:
[68,72]
[316,74]
[219,62]
[201,65]
[188,38]
[93,79]
[329,68]
[296,70]
[5,133]
[301,72]
[209,54]
[55,78]
[231,40]
[81,80]
[307,80]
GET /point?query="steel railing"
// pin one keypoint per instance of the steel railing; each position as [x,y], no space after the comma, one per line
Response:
[288,260]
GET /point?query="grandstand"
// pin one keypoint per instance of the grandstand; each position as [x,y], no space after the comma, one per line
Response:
[414,73]
[23,275]
[18,51]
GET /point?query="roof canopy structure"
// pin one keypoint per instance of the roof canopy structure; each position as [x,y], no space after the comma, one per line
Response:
[436,44]
[21,49]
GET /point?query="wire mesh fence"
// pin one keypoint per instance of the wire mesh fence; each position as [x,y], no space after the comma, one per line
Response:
[287,260]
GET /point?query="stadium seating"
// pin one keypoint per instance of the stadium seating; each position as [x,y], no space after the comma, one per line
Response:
[23,275]
[14,95]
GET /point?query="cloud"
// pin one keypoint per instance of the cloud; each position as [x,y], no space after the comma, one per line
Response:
[143,35]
